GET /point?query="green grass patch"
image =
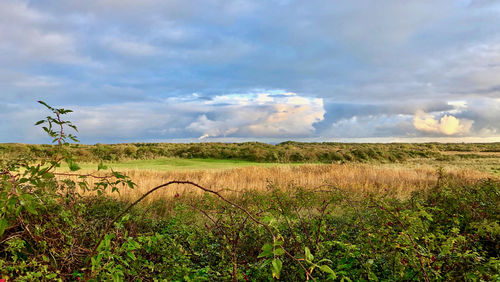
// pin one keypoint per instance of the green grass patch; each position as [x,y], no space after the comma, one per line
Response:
[167,164]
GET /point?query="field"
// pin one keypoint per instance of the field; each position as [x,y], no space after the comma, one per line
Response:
[237,176]
[425,216]
[486,162]
[399,180]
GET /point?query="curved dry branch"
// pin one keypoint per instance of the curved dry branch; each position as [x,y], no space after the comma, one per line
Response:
[252,217]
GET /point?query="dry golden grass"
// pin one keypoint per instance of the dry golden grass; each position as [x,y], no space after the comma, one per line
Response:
[398,181]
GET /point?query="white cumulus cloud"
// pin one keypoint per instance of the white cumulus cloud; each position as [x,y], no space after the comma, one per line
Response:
[447,125]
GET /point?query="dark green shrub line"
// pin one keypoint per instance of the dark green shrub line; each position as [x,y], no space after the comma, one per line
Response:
[259,152]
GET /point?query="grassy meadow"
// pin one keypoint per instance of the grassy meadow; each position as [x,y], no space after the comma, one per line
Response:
[173,164]
[237,178]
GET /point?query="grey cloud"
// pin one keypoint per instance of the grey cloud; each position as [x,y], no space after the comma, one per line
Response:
[347,110]
[369,126]
[374,64]
[486,115]
[480,117]
[336,112]
[31,36]
[350,51]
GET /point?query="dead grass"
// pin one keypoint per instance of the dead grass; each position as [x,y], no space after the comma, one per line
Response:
[356,178]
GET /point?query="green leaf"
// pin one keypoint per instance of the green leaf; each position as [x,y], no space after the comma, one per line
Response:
[125,218]
[118,175]
[131,255]
[18,210]
[74,127]
[64,111]
[45,104]
[73,138]
[51,276]
[116,277]
[309,257]
[277,265]
[279,251]
[3,225]
[372,276]
[267,250]
[27,198]
[328,270]
[31,209]
[28,203]
[11,204]
[39,122]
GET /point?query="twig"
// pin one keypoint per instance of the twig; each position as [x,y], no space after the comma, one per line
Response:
[165,185]
[267,227]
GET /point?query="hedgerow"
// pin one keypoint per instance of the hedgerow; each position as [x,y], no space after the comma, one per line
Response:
[285,152]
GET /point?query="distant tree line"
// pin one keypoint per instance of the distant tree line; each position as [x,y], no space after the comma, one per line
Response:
[285,152]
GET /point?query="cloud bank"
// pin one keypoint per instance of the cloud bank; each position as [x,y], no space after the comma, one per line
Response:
[163,70]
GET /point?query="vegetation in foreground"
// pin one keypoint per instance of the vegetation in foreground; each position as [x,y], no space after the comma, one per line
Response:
[51,231]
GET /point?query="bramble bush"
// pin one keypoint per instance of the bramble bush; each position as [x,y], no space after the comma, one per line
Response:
[55,228]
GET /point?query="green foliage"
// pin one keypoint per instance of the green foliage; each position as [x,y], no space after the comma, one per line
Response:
[40,214]
[258,152]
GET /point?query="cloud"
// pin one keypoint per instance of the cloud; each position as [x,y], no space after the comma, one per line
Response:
[447,125]
[253,116]
[477,117]
[210,128]
[357,73]
[250,115]
[29,35]
[486,115]
[260,116]
[267,116]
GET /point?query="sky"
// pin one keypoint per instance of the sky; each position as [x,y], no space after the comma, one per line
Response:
[238,70]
